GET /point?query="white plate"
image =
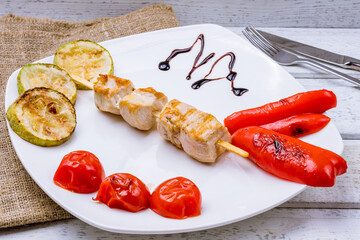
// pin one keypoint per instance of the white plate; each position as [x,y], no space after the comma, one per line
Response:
[233,189]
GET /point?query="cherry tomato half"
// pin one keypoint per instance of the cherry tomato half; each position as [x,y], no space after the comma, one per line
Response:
[80,172]
[177,198]
[124,191]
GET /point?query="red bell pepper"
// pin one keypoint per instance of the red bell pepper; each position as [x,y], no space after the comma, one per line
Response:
[306,102]
[290,158]
[299,125]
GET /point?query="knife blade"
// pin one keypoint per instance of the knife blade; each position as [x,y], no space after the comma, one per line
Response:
[313,52]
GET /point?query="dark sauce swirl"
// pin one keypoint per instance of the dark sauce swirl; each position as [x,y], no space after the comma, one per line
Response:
[165,66]
[231,76]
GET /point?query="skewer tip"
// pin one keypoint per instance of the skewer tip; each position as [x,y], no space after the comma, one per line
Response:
[233,148]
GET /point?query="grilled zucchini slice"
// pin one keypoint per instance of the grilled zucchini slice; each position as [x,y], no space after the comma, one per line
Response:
[84,60]
[46,75]
[42,116]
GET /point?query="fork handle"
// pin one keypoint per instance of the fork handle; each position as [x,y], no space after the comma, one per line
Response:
[330,70]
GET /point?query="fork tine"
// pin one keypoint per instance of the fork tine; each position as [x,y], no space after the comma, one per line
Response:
[264,46]
[255,42]
[261,41]
[261,37]
[264,40]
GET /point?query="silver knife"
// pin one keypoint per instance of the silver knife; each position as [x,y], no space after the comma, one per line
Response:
[313,52]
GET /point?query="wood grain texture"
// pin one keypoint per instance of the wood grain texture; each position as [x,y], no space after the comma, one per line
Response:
[284,13]
[275,224]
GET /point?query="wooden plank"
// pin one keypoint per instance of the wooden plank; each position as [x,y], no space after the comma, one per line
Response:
[274,224]
[295,13]
[289,220]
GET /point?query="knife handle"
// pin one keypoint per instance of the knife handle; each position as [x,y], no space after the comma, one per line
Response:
[330,70]
[352,65]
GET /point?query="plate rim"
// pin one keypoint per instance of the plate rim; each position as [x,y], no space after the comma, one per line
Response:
[171,231]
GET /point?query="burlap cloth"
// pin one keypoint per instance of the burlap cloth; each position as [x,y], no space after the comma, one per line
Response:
[24,40]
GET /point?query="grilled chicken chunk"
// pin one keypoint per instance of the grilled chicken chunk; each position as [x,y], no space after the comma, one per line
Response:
[192,130]
[109,90]
[139,107]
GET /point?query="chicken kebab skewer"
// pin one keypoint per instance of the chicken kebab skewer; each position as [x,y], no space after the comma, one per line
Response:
[204,138]
[198,133]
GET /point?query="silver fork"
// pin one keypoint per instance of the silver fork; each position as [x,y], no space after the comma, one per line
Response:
[286,58]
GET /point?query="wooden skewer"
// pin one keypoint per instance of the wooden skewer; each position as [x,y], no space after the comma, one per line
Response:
[86,83]
[232,148]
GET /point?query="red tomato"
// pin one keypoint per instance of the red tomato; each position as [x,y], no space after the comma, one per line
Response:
[80,172]
[176,198]
[124,191]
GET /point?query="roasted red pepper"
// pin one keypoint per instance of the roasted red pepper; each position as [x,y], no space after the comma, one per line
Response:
[306,102]
[290,158]
[299,125]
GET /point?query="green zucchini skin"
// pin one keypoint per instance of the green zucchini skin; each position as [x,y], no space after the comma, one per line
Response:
[50,67]
[18,126]
[79,85]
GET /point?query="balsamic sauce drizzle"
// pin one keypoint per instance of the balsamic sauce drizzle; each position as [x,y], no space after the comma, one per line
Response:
[165,66]
[231,76]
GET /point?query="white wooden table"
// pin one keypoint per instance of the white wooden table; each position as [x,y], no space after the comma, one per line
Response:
[316,213]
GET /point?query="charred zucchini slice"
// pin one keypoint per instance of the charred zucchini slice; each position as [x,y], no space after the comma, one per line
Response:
[84,60]
[46,75]
[42,116]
